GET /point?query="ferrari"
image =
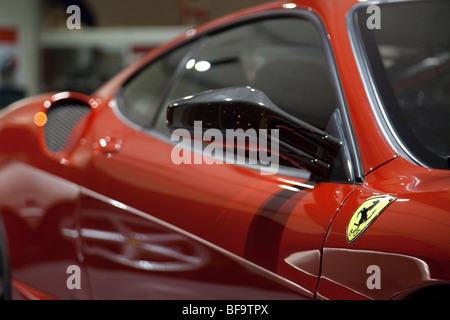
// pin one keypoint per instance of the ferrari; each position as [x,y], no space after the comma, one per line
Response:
[291,151]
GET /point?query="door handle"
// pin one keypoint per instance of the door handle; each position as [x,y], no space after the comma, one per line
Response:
[108,145]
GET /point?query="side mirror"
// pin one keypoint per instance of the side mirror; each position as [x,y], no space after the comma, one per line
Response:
[246,108]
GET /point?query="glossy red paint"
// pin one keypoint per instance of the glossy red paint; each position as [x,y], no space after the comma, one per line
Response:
[141,227]
[409,241]
[223,198]
[23,292]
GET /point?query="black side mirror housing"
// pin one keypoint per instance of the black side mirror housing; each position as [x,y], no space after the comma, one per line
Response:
[300,143]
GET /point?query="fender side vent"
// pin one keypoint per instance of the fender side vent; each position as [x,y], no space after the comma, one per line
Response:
[63,118]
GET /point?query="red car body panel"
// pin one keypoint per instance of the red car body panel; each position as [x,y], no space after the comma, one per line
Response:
[141,227]
[404,238]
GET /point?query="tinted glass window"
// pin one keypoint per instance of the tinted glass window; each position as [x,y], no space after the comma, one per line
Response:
[409,56]
[282,57]
[142,95]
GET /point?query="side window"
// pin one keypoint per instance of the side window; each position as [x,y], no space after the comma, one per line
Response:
[142,95]
[283,57]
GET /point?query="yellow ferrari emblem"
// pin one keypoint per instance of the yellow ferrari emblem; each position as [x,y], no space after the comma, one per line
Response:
[366,214]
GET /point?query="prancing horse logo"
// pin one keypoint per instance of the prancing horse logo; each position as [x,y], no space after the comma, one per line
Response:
[366,214]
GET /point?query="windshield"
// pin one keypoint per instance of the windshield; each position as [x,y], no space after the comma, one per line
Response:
[408,53]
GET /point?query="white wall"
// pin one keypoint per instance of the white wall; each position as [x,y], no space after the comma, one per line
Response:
[25,16]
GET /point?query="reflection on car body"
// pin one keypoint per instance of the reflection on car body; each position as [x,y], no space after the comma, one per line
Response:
[361,193]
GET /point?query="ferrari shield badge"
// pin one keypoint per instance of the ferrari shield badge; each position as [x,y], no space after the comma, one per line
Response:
[366,214]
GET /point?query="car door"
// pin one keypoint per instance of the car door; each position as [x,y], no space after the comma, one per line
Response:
[152,227]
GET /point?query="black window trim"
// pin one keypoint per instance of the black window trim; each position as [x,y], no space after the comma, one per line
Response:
[355,164]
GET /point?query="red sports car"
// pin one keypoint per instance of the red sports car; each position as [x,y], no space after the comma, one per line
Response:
[295,150]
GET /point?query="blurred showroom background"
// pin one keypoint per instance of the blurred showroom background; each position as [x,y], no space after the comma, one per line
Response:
[38,53]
